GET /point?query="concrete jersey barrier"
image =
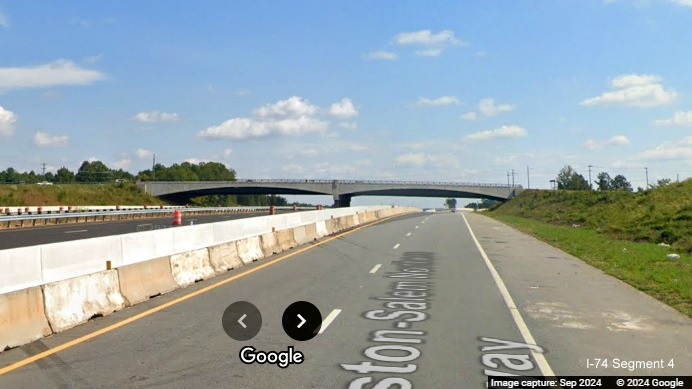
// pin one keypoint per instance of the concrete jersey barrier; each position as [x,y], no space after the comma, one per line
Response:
[79,288]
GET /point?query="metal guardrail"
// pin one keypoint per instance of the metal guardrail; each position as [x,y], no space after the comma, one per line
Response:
[97,214]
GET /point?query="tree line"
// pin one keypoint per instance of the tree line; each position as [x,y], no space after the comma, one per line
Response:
[95,172]
[98,172]
[569,179]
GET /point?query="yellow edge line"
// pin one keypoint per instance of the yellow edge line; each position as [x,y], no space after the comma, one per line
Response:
[161,307]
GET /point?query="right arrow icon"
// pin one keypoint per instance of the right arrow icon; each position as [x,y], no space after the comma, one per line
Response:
[302,321]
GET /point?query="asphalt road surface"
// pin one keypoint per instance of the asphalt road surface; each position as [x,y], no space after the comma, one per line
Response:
[31,236]
[410,301]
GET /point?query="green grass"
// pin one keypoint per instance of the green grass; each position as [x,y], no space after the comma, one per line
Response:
[663,215]
[70,194]
[618,233]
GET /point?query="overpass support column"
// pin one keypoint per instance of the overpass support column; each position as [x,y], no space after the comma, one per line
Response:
[342,201]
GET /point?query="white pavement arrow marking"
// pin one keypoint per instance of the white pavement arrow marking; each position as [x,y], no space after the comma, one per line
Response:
[302,321]
[241,320]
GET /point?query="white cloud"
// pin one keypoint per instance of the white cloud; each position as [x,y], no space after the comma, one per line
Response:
[245,128]
[294,106]
[617,140]
[469,116]
[58,73]
[356,147]
[684,3]
[197,161]
[294,116]
[635,90]
[498,133]
[679,119]
[122,164]
[7,121]
[487,107]
[429,53]
[427,38]
[241,92]
[420,160]
[4,20]
[412,159]
[157,117]
[382,56]
[505,160]
[680,150]
[348,125]
[438,102]
[144,153]
[433,43]
[42,139]
[227,153]
[93,59]
[344,109]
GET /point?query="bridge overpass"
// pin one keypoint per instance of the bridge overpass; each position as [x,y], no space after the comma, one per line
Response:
[341,190]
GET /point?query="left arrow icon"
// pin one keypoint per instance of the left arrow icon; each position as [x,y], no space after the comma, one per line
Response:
[241,320]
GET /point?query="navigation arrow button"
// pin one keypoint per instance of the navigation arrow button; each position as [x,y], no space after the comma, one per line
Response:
[242,321]
[301,321]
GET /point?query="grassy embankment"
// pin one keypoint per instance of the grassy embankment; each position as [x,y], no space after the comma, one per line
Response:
[106,194]
[618,232]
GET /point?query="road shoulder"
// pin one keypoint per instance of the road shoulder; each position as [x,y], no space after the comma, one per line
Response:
[579,314]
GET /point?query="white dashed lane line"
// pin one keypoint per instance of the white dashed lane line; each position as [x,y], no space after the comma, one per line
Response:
[408,234]
[396,246]
[375,268]
[329,319]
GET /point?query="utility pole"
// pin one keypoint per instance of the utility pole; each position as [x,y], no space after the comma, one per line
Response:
[153,169]
[513,178]
[528,178]
[590,187]
[43,172]
[646,170]
[508,179]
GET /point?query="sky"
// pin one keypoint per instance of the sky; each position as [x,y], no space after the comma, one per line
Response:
[459,91]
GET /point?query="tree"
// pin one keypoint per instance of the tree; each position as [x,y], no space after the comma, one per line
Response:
[621,183]
[451,203]
[661,183]
[569,179]
[10,175]
[64,176]
[604,182]
[94,171]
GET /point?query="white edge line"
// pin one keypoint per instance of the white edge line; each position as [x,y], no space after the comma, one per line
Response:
[516,315]
[73,232]
[329,319]
[396,246]
[374,269]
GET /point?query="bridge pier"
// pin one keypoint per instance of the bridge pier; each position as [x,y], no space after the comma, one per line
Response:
[342,201]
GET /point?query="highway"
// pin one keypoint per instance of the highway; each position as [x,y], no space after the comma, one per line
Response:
[411,301]
[30,236]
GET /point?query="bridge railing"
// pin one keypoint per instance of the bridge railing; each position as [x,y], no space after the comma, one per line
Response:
[321,181]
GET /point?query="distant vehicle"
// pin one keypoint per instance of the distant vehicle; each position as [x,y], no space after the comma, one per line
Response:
[120,181]
[44,183]
[430,210]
